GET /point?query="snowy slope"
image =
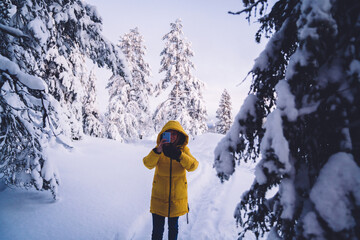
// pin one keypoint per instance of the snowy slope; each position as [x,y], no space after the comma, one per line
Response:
[105,194]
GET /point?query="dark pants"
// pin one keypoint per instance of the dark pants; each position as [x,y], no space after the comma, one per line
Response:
[158,227]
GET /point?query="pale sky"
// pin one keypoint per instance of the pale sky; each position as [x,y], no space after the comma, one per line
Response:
[224,45]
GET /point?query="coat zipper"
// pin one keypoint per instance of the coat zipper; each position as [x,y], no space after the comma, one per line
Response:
[170,186]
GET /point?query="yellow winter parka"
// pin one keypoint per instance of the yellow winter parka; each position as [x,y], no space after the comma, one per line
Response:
[169,190]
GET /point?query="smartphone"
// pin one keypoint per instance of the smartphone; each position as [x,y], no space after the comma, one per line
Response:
[167,136]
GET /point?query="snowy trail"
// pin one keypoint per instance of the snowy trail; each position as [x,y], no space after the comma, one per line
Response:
[211,203]
[105,194]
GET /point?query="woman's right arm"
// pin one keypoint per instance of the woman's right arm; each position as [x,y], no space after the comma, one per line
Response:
[151,160]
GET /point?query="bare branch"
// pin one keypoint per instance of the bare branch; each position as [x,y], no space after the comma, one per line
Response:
[249,8]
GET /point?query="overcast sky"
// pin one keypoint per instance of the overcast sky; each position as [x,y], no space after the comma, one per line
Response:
[224,44]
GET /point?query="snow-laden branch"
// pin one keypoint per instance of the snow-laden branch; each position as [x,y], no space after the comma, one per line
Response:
[30,81]
[13,31]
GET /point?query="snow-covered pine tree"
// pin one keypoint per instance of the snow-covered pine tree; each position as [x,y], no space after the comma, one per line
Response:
[27,116]
[185,102]
[132,45]
[306,88]
[92,124]
[223,114]
[66,32]
[196,107]
[74,83]
[80,22]
[27,125]
[39,39]
[121,123]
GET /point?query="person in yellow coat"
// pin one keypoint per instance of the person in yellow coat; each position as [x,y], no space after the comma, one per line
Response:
[170,158]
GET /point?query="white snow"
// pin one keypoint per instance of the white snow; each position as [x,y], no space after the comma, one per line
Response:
[105,194]
[312,227]
[288,198]
[320,9]
[338,179]
[270,53]
[39,30]
[312,12]
[28,80]
[274,139]
[10,97]
[355,67]
[259,173]
[346,143]
[12,31]
[286,100]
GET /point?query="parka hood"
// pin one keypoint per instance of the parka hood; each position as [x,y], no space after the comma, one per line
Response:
[173,125]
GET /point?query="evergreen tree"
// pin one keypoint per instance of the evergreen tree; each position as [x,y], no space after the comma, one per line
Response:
[133,48]
[196,107]
[65,32]
[27,113]
[306,89]
[26,118]
[80,22]
[121,123]
[91,117]
[223,114]
[42,49]
[185,102]
[74,81]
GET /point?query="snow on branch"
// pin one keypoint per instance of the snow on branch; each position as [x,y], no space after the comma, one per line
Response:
[272,49]
[286,101]
[333,198]
[13,31]
[12,68]
[226,148]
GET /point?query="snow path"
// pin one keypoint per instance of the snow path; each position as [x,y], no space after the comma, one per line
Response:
[105,194]
[211,203]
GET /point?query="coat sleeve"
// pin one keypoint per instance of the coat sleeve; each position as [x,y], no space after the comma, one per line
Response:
[151,160]
[188,161]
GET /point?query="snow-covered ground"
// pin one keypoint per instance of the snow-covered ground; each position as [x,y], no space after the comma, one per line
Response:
[105,194]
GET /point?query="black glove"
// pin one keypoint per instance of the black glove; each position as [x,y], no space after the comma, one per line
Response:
[172,152]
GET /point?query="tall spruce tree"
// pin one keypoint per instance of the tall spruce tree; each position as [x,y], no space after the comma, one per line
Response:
[223,114]
[306,89]
[74,81]
[121,122]
[79,21]
[43,43]
[92,124]
[185,102]
[132,45]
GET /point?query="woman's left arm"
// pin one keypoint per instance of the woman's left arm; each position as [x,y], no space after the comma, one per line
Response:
[187,160]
